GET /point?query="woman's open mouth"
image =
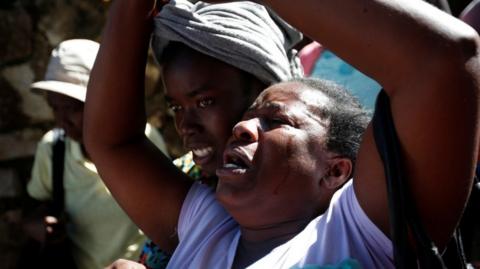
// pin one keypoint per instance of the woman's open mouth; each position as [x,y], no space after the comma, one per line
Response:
[235,162]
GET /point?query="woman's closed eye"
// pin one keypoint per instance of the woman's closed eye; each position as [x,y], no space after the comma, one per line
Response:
[277,121]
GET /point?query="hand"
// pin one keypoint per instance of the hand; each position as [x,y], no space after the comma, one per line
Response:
[35,228]
[125,264]
[40,228]
[54,229]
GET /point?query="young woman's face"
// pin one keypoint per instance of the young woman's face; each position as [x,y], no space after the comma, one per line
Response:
[207,97]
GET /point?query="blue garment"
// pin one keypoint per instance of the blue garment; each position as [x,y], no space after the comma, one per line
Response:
[153,257]
[331,67]
[347,264]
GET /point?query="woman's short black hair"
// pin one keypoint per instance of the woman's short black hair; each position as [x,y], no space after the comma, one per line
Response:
[347,118]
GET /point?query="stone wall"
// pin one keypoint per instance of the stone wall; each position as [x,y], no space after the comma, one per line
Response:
[29,30]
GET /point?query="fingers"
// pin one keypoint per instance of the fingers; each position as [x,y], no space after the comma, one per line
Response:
[50,223]
[51,220]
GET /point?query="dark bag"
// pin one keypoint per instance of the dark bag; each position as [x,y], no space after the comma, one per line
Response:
[404,221]
[56,252]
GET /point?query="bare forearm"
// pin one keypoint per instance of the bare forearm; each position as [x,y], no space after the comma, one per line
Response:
[427,61]
[116,89]
[386,33]
[139,176]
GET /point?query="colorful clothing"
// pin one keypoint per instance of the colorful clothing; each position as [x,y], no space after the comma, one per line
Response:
[99,229]
[346,264]
[208,236]
[187,165]
[152,256]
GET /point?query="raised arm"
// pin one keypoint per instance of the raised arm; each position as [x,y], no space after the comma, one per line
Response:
[428,64]
[144,182]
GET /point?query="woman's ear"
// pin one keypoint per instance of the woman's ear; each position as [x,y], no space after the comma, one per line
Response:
[340,170]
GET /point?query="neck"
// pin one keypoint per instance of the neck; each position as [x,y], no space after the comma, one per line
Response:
[286,229]
[256,242]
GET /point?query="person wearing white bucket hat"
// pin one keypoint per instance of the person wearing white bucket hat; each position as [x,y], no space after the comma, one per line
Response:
[99,230]
[69,68]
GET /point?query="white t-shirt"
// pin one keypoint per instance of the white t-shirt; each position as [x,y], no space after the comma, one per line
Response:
[209,236]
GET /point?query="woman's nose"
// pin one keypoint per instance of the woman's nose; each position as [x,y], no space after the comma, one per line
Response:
[246,130]
[187,123]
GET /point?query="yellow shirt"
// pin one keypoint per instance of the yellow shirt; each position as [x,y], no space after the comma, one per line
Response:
[98,228]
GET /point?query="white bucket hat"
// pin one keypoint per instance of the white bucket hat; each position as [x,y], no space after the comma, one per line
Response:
[69,68]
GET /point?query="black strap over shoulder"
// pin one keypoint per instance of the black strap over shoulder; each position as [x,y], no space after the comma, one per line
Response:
[56,251]
[404,221]
[58,156]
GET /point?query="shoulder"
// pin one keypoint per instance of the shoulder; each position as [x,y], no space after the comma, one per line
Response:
[44,146]
[47,138]
[343,233]
[200,207]
[346,222]
[199,200]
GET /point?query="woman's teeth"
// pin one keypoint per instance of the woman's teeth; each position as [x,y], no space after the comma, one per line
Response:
[202,152]
[232,165]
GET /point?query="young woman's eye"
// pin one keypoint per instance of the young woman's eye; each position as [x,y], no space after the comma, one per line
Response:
[174,108]
[205,102]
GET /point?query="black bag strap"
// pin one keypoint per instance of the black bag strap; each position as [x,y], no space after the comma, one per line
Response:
[404,220]
[476,179]
[58,156]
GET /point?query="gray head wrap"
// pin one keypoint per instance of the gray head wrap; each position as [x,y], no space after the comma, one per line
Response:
[243,34]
